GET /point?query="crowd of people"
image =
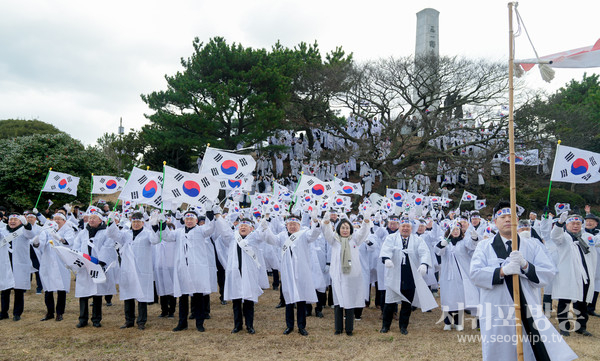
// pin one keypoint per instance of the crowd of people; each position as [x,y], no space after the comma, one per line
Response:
[313,256]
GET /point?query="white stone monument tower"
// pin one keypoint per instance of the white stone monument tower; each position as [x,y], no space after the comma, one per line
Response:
[428,26]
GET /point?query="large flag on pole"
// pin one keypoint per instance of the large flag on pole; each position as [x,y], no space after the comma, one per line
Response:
[586,57]
[468,196]
[61,183]
[314,186]
[226,165]
[343,187]
[143,187]
[574,165]
[107,184]
[191,188]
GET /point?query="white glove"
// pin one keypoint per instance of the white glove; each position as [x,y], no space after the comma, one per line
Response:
[378,217]
[217,209]
[474,237]
[314,215]
[264,225]
[512,268]
[111,215]
[326,216]
[517,257]
[388,263]
[55,236]
[23,220]
[35,211]
[444,242]
[67,208]
[422,270]
[161,217]
[153,221]
[326,268]
[563,217]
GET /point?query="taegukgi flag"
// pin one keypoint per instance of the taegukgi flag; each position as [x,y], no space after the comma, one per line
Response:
[143,187]
[61,183]
[107,184]
[226,165]
[191,188]
[347,188]
[574,165]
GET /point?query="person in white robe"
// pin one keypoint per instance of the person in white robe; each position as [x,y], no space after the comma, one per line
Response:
[15,264]
[53,272]
[406,258]
[296,280]
[492,268]
[346,270]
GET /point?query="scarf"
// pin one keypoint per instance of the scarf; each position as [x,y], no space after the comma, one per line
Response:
[346,255]
[585,247]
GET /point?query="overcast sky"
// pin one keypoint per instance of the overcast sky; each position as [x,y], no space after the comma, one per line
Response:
[81,65]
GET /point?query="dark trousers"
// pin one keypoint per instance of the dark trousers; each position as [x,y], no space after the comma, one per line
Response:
[220,279]
[129,307]
[19,302]
[330,296]
[243,309]
[405,310]
[61,298]
[592,306]
[453,316]
[167,305]
[96,309]
[198,306]
[108,298]
[581,312]
[339,318]
[275,278]
[358,312]
[300,312]
[322,300]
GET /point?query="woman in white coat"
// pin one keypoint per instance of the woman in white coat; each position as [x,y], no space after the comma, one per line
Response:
[53,272]
[456,288]
[345,270]
[136,281]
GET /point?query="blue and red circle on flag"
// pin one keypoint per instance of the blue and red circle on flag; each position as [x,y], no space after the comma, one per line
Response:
[191,188]
[111,184]
[229,167]
[62,184]
[150,189]
[318,189]
[347,189]
[579,166]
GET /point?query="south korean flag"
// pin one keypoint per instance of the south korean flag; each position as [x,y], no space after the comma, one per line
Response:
[574,165]
[143,187]
[226,165]
[106,184]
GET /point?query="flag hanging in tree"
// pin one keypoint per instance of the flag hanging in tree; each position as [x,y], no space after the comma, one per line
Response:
[467,196]
[143,187]
[530,157]
[347,188]
[191,188]
[106,184]
[574,165]
[226,165]
[61,183]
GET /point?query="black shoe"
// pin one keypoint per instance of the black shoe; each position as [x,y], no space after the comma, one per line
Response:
[81,324]
[108,304]
[403,331]
[303,331]
[16,318]
[97,324]
[59,317]
[141,327]
[565,333]
[223,303]
[3,317]
[308,313]
[288,331]
[275,288]
[280,305]
[171,315]
[191,317]
[180,328]
[349,333]
[593,313]
[584,332]
[319,314]
[200,328]
[236,330]
[384,330]
[251,330]
[207,317]
[127,325]
[162,315]
[337,332]
[47,317]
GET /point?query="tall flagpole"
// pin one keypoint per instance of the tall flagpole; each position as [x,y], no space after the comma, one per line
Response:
[92,189]
[550,185]
[44,186]
[513,183]
[162,209]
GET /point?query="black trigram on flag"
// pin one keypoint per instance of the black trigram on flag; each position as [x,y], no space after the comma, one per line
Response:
[218,157]
[240,176]
[310,182]
[203,199]
[102,180]
[134,195]
[78,263]
[142,179]
[102,189]
[56,178]
[158,200]
[69,189]
[160,179]
[69,179]
[214,171]
[569,156]
[178,177]
[593,161]
[176,192]
[52,187]
[243,162]
[205,182]
[223,184]
[564,173]
[327,187]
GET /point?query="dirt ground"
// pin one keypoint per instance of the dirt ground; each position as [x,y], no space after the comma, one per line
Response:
[30,339]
